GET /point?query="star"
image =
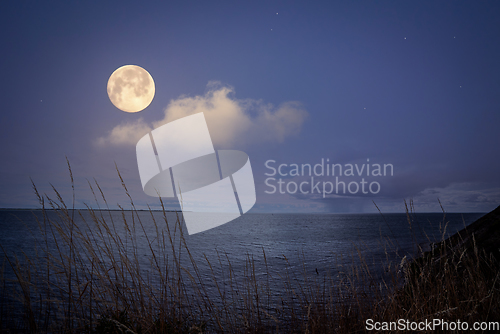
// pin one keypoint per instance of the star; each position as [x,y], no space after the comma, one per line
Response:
[276,13]
[405,37]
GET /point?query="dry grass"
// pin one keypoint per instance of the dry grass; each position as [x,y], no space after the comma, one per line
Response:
[89,279]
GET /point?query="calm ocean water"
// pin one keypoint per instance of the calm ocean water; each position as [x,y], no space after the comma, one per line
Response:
[318,240]
[297,247]
[306,245]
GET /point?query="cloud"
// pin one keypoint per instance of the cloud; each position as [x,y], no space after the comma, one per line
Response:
[126,133]
[230,121]
[461,197]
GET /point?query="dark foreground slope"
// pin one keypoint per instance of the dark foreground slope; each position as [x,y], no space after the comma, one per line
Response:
[483,234]
[457,280]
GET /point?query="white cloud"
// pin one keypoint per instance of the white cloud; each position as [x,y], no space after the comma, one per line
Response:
[229,120]
[126,133]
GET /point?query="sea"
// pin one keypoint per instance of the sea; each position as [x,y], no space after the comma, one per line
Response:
[304,245]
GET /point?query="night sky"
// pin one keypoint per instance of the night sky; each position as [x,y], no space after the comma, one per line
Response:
[415,84]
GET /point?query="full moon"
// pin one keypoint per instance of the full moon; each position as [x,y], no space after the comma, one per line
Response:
[131,88]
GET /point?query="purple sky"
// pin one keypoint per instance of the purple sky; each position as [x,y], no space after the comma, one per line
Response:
[413,84]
